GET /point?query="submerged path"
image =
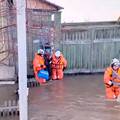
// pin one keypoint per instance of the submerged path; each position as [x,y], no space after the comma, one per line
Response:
[77,97]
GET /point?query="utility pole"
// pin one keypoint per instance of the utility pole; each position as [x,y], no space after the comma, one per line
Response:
[22,58]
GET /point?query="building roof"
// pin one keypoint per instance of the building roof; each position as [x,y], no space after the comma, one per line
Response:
[42,5]
[52,4]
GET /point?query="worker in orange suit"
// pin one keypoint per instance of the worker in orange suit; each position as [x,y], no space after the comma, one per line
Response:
[39,64]
[58,64]
[112,80]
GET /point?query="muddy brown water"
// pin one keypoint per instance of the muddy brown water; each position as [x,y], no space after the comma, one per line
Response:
[77,97]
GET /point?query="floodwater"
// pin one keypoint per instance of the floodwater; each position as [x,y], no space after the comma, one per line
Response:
[77,97]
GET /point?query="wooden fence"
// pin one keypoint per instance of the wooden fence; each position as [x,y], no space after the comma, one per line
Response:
[91,49]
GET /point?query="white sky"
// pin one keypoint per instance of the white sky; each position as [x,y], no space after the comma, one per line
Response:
[89,10]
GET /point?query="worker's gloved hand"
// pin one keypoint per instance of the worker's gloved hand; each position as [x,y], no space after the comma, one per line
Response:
[41,66]
[110,83]
[64,68]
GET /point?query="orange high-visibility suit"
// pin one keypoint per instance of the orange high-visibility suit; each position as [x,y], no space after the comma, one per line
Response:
[57,65]
[38,64]
[112,91]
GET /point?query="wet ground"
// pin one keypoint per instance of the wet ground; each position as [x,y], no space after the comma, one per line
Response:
[77,97]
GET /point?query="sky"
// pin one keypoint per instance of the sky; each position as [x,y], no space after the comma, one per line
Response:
[89,10]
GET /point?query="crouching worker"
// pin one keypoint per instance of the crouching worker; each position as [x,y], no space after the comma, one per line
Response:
[112,80]
[38,66]
[58,64]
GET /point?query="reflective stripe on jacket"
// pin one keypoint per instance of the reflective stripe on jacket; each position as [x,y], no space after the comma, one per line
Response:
[38,63]
[58,63]
[111,75]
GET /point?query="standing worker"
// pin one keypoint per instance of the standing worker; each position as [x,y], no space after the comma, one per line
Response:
[58,64]
[112,80]
[47,57]
[38,65]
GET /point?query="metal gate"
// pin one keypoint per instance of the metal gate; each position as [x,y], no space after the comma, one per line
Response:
[91,50]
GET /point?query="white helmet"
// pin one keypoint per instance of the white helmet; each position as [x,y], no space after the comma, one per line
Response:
[40,51]
[115,62]
[57,53]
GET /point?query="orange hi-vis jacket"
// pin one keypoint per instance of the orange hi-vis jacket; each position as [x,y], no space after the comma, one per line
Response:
[58,63]
[112,75]
[38,63]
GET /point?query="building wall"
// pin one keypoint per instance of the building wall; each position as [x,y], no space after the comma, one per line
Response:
[39,32]
[41,27]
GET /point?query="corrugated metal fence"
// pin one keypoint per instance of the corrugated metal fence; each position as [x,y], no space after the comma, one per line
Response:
[90,50]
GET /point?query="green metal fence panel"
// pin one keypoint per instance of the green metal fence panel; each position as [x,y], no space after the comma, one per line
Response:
[90,50]
[77,55]
[102,55]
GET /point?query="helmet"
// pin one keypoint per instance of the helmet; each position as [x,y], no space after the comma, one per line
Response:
[115,62]
[57,53]
[40,51]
